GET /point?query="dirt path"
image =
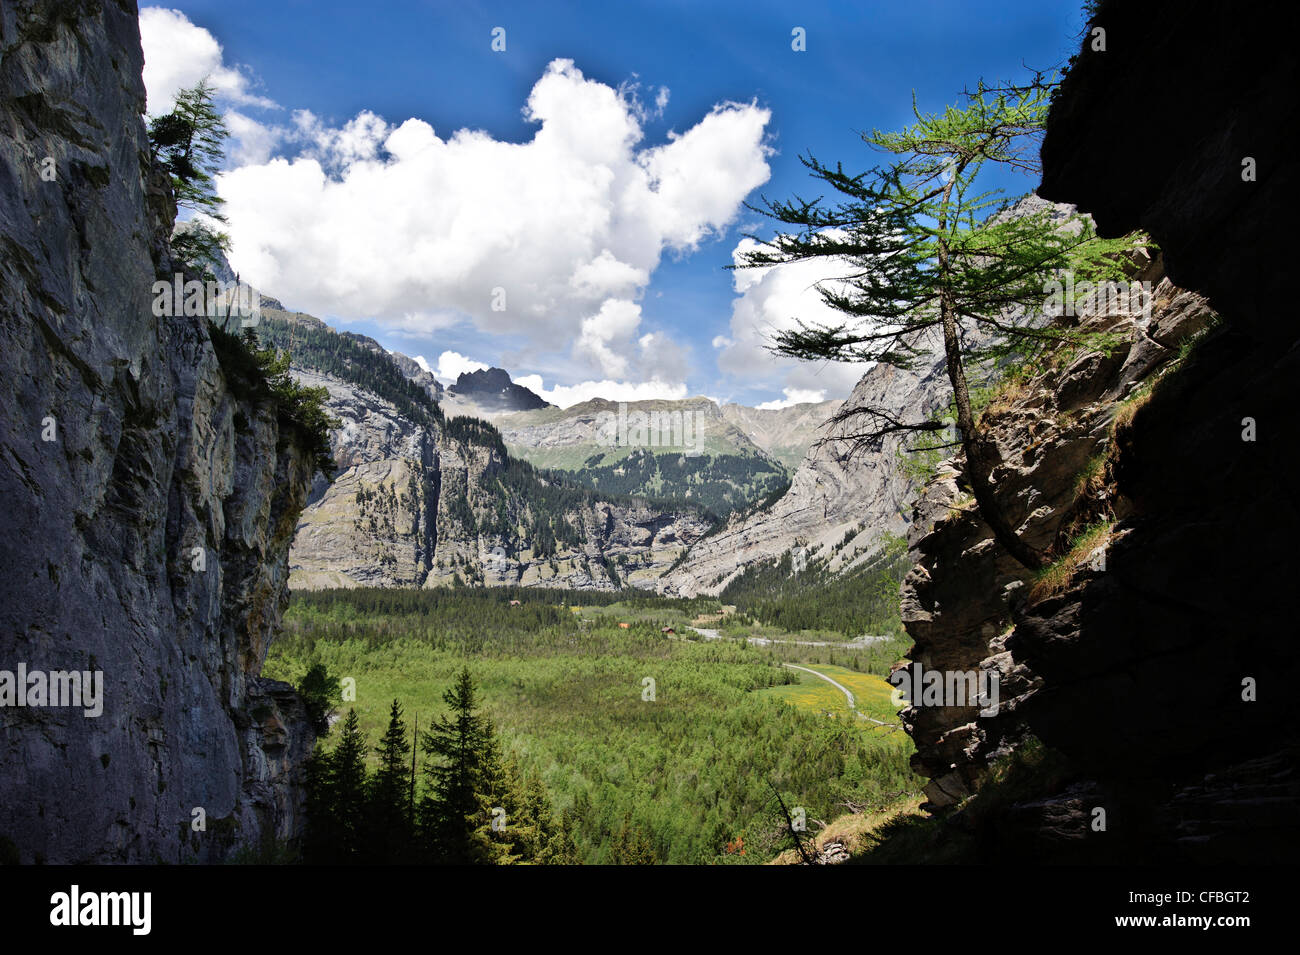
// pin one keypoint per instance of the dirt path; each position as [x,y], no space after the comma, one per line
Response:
[853,704]
[711,634]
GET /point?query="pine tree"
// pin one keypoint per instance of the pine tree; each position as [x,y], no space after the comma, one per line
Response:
[531,830]
[189,142]
[335,787]
[538,825]
[464,774]
[560,848]
[922,263]
[389,823]
[348,785]
[321,834]
[632,845]
[318,690]
[502,804]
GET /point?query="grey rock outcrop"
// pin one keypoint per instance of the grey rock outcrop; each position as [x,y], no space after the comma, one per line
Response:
[838,489]
[1161,676]
[148,506]
[416,372]
[1051,436]
[398,514]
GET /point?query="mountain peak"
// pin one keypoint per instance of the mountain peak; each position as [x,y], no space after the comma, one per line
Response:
[493,390]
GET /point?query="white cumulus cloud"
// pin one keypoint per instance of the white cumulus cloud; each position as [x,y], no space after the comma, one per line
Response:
[793,396]
[420,231]
[565,396]
[177,54]
[772,300]
[552,240]
[450,366]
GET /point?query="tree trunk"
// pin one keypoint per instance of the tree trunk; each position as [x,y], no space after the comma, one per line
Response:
[979,463]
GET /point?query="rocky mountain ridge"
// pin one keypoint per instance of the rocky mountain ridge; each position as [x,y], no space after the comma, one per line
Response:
[674,450]
[424,504]
[416,372]
[492,391]
[563,437]
[787,433]
[393,446]
[841,500]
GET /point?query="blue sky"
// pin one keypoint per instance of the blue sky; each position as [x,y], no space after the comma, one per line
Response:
[677,325]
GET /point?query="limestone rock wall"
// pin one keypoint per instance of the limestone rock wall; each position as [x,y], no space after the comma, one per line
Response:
[395,515]
[152,463]
[836,489]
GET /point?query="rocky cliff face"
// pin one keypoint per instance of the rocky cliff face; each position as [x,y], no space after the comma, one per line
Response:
[413,506]
[148,507]
[1054,434]
[1159,665]
[836,490]
[413,370]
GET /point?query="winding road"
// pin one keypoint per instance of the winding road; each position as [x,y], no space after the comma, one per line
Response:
[853,705]
[711,634]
